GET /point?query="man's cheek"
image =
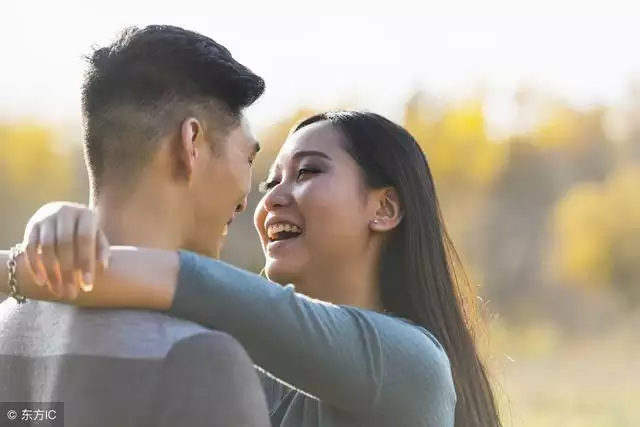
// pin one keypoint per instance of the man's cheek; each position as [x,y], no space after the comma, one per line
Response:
[243,179]
[246,189]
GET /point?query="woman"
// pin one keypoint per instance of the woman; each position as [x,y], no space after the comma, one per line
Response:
[374,332]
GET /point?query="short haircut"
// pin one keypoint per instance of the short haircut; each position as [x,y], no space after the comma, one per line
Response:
[144,85]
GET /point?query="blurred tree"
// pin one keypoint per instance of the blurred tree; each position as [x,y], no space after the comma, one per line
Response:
[514,232]
[632,123]
[566,147]
[598,236]
[461,156]
[33,172]
[28,155]
[559,127]
[575,142]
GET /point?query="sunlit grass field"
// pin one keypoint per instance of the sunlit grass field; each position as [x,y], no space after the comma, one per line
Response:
[548,380]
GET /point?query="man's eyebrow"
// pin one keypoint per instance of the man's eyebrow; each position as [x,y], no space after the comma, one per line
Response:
[256,147]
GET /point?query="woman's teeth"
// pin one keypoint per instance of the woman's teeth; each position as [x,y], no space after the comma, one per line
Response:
[275,231]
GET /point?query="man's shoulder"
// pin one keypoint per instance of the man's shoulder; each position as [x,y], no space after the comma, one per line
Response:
[47,329]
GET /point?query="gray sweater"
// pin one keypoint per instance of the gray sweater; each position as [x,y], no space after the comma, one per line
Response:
[322,365]
[123,368]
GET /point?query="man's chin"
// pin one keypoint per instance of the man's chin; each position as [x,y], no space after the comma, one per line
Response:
[212,251]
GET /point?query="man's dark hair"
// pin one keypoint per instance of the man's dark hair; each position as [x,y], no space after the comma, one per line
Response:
[141,88]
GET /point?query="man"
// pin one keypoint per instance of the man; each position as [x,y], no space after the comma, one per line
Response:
[169,157]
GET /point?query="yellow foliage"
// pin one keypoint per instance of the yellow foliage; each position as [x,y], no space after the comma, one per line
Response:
[559,129]
[466,123]
[582,228]
[29,158]
[598,231]
[568,129]
[459,150]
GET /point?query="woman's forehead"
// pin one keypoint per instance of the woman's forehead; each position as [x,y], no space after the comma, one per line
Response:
[321,136]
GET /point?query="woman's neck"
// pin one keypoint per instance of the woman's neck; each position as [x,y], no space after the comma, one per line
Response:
[357,287]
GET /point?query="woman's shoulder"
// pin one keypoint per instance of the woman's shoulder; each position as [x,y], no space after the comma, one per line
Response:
[416,374]
[403,338]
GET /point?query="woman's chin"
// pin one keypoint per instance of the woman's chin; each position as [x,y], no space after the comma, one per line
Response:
[280,271]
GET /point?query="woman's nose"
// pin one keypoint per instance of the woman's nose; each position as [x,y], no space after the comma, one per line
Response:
[278,197]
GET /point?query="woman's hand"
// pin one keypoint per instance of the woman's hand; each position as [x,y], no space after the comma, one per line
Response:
[63,245]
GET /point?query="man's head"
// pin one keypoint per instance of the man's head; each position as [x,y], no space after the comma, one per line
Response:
[163,111]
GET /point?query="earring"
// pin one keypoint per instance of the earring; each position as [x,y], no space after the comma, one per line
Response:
[375,221]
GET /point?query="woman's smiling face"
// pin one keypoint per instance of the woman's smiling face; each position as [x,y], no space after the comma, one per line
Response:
[314,213]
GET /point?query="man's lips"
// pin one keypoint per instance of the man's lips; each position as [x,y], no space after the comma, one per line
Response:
[225,230]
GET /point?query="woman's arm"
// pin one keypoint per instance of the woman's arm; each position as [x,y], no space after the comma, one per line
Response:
[136,278]
[362,362]
[358,360]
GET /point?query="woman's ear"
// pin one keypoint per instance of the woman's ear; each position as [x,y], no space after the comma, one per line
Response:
[389,211]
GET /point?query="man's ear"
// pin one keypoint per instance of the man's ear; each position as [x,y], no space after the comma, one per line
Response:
[388,213]
[189,145]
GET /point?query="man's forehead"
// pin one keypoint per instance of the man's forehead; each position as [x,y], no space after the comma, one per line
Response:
[250,137]
[245,126]
[242,137]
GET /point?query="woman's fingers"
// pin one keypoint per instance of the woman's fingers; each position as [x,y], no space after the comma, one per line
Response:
[65,242]
[86,247]
[33,255]
[103,249]
[48,257]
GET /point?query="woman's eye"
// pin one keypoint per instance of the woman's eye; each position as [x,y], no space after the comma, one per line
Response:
[307,171]
[267,185]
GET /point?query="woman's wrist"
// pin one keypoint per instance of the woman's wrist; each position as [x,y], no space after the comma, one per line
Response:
[136,278]
[25,283]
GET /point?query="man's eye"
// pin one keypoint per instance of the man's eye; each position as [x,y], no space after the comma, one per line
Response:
[265,186]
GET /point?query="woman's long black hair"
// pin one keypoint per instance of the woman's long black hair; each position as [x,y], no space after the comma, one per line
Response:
[417,274]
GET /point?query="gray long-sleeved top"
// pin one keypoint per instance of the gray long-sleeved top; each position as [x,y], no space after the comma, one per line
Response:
[328,365]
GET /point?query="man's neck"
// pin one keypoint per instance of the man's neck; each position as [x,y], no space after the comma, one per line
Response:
[146,220]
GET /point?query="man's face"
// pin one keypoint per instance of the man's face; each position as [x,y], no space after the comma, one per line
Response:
[220,185]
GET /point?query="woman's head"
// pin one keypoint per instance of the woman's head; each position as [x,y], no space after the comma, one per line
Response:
[366,203]
[320,221]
